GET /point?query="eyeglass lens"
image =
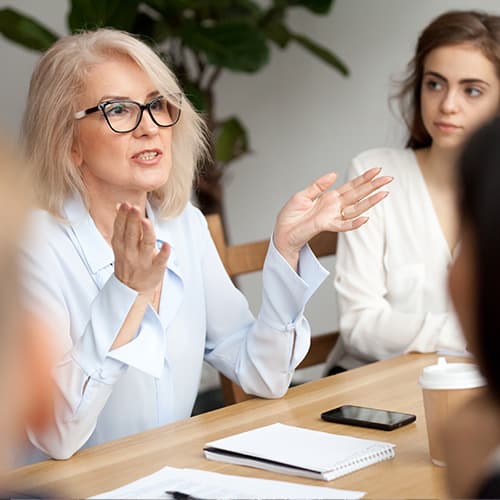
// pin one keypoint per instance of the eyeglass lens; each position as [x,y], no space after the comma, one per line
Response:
[124,116]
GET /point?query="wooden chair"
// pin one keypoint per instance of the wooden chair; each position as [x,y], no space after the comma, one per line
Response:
[248,258]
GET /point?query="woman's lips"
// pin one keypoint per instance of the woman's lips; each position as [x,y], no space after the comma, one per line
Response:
[147,157]
[447,127]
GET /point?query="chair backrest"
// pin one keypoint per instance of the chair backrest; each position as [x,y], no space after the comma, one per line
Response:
[248,258]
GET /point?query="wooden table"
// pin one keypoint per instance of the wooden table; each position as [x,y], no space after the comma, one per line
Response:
[390,384]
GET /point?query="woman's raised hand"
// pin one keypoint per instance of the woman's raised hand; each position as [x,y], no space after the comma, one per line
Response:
[138,263]
[315,209]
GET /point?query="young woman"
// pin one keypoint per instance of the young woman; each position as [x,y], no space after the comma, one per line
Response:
[391,275]
[128,274]
[473,435]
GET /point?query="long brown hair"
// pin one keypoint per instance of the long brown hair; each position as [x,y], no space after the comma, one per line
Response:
[451,28]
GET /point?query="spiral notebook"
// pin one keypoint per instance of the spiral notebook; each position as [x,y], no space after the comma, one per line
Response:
[298,451]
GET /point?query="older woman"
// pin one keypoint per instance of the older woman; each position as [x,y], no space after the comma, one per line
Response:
[128,274]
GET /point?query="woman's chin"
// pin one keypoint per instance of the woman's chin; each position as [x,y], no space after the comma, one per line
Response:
[154,183]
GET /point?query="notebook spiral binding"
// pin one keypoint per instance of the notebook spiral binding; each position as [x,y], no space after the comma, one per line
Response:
[373,455]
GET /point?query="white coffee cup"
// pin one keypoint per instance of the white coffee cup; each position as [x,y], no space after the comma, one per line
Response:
[446,386]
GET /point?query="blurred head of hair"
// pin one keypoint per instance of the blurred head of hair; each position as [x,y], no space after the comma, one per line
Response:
[479,204]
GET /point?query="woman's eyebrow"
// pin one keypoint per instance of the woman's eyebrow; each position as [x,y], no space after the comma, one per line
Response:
[435,74]
[113,97]
[474,80]
[153,93]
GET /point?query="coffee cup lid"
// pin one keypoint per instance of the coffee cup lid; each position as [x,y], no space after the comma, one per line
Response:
[445,375]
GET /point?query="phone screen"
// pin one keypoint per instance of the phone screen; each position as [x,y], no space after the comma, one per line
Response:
[368,417]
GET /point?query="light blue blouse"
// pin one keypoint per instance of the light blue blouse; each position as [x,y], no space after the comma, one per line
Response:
[105,394]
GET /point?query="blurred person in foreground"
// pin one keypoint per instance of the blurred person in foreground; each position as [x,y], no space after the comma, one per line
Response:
[473,433]
[129,273]
[25,352]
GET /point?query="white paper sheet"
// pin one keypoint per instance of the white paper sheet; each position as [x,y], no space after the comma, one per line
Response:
[209,485]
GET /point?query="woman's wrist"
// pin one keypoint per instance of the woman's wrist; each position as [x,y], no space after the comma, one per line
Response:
[291,255]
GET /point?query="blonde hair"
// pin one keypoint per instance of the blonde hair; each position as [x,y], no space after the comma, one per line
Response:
[49,127]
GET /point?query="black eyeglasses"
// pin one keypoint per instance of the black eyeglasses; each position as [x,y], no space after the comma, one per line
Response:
[124,116]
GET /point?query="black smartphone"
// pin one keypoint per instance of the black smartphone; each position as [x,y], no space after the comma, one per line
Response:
[368,417]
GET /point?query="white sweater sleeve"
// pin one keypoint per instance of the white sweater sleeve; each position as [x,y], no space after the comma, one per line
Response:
[372,327]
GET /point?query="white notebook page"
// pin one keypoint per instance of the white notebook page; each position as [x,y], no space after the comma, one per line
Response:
[305,448]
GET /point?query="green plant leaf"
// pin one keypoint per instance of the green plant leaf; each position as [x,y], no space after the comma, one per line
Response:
[316,6]
[321,53]
[235,10]
[150,29]
[231,140]
[278,33]
[91,14]
[25,30]
[171,10]
[208,9]
[158,5]
[233,45]
[196,96]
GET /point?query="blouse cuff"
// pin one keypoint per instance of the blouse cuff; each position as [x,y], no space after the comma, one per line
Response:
[286,292]
[146,351]
[107,314]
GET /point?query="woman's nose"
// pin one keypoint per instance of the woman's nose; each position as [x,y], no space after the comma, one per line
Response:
[450,102]
[146,125]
